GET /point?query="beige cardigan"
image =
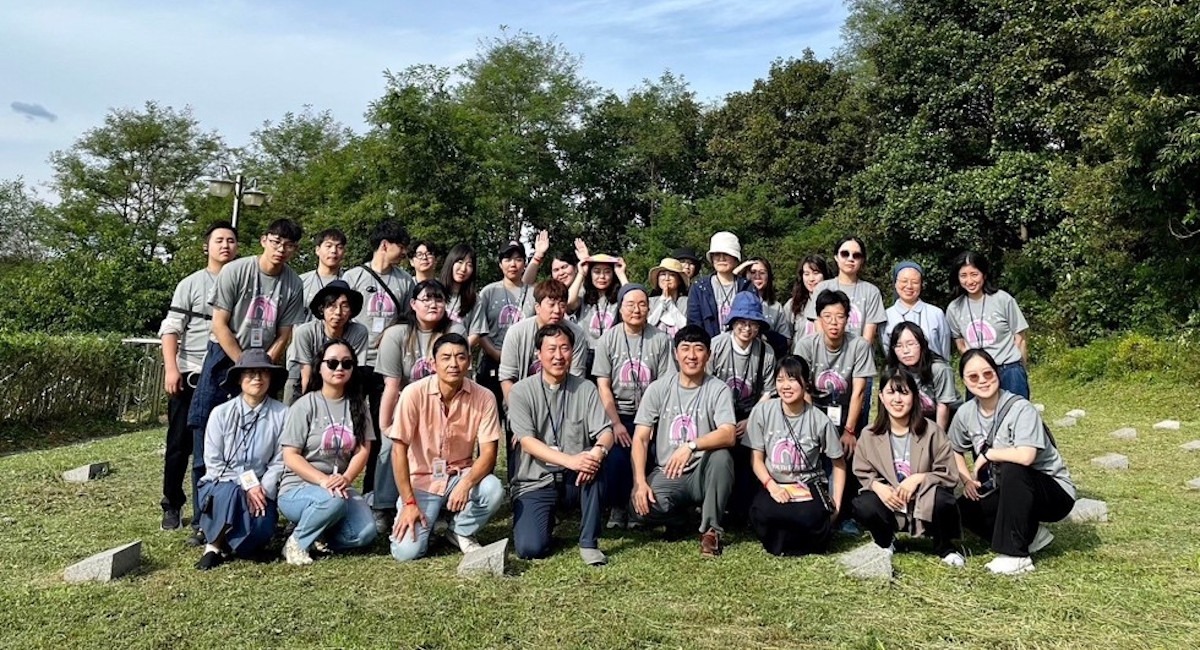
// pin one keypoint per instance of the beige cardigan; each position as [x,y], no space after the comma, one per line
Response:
[930,455]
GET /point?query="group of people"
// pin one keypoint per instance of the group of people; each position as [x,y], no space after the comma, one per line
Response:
[638,405]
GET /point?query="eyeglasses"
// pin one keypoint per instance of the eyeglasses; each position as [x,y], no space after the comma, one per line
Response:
[908,345]
[345,364]
[977,377]
[423,256]
[833,318]
[758,273]
[746,325]
[429,301]
[281,244]
[850,255]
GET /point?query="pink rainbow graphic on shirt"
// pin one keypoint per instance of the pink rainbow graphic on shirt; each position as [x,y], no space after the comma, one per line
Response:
[421,368]
[600,322]
[829,381]
[854,323]
[633,370]
[337,439]
[381,304]
[740,387]
[455,316]
[534,368]
[903,470]
[509,315]
[785,456]
[262,309]
[927,405]
[683,429]
[724,314]
[670,330]
[810,327]
[980,334]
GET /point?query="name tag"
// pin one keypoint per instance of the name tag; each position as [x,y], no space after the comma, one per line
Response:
[248,479]
[439,469]
[377,324]
[256,337]
[551,466]
[835,414]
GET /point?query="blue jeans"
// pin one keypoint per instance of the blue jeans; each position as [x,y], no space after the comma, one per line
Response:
[618,470]
[386,495]
[315,511]
[485,500]
[533,515]
[1014,379]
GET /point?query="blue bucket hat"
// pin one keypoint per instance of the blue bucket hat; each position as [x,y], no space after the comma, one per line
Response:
[748,306]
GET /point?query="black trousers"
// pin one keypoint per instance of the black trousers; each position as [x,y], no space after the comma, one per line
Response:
[1009,515]
[944,527]
[800,528]
[179,445]
[374,387]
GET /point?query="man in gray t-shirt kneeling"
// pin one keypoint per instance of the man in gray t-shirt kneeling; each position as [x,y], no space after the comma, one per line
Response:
[691,419]
[563,437]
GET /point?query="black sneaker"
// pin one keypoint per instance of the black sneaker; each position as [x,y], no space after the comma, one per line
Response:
[196,538]
[210,560]
[171,519]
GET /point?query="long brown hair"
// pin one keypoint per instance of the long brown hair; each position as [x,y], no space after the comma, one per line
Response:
[905,382]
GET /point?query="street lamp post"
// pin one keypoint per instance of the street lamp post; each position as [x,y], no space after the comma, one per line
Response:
[244,191]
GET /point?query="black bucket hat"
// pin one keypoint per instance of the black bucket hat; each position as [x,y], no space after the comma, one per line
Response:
[336,288]
[253,359]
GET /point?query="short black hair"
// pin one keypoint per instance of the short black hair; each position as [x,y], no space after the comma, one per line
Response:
[218,225]
[828,297]
[286,229]
[330,233]
[451,338]
[429,246]
[797,368]
[861,246]
[693,334]
[971,258]
[551,331]
[390,231]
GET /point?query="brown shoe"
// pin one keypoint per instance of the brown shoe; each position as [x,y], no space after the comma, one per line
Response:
[710,544]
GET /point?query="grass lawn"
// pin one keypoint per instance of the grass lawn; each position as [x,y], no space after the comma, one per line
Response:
[1132,582]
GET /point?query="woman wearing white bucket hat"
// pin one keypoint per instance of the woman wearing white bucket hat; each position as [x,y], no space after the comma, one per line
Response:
[711,297]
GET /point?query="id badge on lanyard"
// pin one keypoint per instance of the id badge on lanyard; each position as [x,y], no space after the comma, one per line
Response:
[835,414]
[377,324]
[440,476]
[256,337]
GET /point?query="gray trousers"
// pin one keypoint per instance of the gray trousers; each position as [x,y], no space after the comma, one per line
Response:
[707,485]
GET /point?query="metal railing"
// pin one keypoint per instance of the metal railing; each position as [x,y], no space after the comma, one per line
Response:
[144,398]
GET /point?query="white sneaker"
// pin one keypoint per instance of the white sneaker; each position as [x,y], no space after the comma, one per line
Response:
[618,518]
[1041,540]
[464,543]
[1010,566]
[293,554]
[954,559]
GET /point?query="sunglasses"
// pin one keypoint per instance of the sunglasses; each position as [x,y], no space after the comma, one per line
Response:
[976,377]
[345,364]
[850,255]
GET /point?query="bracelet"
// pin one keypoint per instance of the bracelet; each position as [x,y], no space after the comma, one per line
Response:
[603,450]
[537,260]
[410,502]
[767,484]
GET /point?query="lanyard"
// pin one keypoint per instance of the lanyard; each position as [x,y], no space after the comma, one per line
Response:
[792,435]
[556,428]
[749,358]
[690,409]
[920,315]
[601,312]
[726,296]
[321,283]
[977,326]
[258,273]
[337,441]
[249,431]
[637,380]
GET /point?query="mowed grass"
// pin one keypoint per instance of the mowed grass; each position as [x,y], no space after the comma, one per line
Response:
[1129,583]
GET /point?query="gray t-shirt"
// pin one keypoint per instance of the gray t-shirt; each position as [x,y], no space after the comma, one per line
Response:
[323,431]
[779,320]
[1022,427]
[498,308]
[800,324]
[259,304]
[866,304]
[679,415]
[186,319]
[568,417]
[454,305]
[669,316]
[741,372]
[406,354]
[723,295]
[990,323]
[519,358]
[597,319]
[379,309]
[834,371]
[792,445]
[941,391]
[631,362]
[309,338]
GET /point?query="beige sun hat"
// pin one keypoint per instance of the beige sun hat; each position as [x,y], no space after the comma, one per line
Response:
[724,242]
[668,264]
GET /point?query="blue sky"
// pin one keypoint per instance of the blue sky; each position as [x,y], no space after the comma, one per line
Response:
[65,63]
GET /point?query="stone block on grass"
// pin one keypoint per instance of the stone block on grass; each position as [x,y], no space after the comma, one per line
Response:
[1167,425]
[85,473]
[1125,433]
[1111,461]
[867,562]
[1065,422]
[487,560]
[1039,407]
[1078,414]
[1191,446]
[106,566]
[1193,484]
[1088,510]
